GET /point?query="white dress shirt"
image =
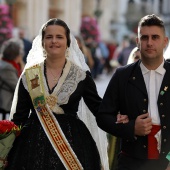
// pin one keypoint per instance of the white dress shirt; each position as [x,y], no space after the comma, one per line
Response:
[153,80]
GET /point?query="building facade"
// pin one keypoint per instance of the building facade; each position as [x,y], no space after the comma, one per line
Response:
[116,18]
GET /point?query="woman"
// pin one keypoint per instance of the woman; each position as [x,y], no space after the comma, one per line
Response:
[53,136]
[10,69]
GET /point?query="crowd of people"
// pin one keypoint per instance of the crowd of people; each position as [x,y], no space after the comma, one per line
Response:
[48,87]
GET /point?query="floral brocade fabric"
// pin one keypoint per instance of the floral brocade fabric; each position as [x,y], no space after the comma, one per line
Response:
[27,154]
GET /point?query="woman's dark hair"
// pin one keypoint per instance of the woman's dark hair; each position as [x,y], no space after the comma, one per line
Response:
[10,50]
[55,21]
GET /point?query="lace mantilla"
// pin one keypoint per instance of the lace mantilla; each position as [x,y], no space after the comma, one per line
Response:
[74,76]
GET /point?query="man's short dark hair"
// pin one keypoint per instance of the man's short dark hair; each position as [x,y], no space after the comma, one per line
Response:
[151,20]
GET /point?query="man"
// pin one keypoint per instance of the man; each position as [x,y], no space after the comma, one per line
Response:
[124,54]
[142,92]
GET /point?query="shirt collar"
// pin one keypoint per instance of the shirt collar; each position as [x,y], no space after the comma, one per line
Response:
[159,70]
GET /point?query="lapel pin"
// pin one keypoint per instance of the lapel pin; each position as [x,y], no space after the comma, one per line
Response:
[162,93]
[165,88]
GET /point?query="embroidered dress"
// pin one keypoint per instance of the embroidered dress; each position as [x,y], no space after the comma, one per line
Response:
[32,150]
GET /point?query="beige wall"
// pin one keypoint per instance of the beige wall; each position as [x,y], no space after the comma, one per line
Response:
[88,7]
[32,14]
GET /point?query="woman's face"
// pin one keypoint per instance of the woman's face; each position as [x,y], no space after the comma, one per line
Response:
[55,41]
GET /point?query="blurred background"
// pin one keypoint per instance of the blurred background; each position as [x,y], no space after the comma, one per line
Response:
[106,20]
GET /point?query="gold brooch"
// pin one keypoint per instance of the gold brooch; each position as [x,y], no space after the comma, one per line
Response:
[51,101]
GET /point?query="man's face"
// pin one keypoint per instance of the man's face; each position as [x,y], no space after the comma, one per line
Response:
[151,42]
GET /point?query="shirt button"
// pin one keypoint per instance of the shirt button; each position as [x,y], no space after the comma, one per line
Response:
[164,140]
[133,78]
[144,146]
[161,104]
[144,100]
[163,115]
[164,127]
[163,152]
[144,111]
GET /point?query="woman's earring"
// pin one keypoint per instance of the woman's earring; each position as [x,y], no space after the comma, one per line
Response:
[67,53]
[44,53]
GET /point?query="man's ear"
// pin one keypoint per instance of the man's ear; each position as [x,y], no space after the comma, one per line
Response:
[166,42]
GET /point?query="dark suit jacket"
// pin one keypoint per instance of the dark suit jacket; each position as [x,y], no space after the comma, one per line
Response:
[127,94]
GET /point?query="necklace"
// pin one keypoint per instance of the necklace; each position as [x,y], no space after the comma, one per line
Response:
[55,78]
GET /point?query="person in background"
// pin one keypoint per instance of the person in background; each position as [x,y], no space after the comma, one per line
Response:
[142,92]
[27,44]
[11,66]
[105,55]
[120,46]
[48,105]
[134,55]
[96,55]
[124,54]
[112,48]
[86,51]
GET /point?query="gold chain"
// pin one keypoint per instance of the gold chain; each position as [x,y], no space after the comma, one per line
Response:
[55,78]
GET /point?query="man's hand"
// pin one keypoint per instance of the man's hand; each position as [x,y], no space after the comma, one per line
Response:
[143,125]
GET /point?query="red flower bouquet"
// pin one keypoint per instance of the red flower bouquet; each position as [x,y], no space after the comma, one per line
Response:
[8,133]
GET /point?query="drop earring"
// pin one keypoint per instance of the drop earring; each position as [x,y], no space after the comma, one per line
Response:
[44,53]
[67,53]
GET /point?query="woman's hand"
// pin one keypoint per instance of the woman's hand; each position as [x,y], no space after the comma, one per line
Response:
[122,118]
